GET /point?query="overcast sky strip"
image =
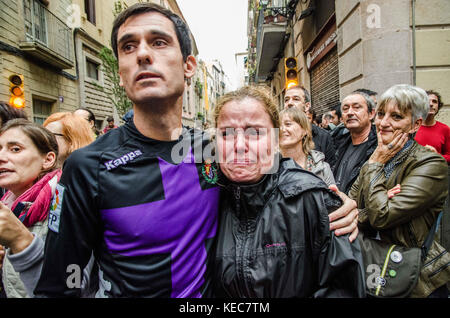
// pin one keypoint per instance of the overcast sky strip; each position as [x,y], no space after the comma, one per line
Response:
[219,28]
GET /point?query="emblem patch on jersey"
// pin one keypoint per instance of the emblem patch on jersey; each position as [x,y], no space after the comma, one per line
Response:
[55,209]
[209,172]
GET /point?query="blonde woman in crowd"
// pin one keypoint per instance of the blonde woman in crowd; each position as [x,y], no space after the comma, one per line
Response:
[296,142]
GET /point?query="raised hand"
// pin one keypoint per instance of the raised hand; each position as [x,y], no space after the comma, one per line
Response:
[13,233]
[385,152]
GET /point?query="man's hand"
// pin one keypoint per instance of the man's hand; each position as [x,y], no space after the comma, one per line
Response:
[345,219]
[13,233]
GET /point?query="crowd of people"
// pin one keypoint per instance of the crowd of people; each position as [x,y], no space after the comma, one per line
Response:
[255,216]
[32,157]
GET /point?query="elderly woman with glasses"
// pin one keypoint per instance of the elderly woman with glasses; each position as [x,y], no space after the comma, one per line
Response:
[401,189]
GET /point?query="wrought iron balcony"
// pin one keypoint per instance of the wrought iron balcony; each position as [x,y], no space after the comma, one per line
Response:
[46,36]
[271,30]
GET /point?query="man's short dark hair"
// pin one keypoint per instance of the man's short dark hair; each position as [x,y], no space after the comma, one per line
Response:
[366,91]
[8,112]
[337,109]
[313,113]
[305,91]
[440,102]
[181,28]
[318,120]
[109,119]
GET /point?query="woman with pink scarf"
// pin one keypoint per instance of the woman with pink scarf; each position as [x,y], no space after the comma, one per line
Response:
[28,170]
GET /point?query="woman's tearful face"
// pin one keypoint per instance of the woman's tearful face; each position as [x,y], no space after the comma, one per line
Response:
[245,140]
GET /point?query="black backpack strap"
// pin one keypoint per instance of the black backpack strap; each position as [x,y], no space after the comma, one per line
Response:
[430,237]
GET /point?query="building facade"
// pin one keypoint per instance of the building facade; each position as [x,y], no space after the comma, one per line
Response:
[215,84]
[241,60]
[344,45]
[36,42]
[56,46]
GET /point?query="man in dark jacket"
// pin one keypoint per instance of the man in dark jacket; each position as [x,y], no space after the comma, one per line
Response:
[355,145]
[298,96]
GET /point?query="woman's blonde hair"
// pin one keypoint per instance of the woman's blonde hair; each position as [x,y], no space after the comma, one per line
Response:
[75,129]
[300,118]
[258,93]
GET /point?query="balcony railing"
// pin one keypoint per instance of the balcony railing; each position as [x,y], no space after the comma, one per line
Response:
[275,14]
[271,28]
[46,36]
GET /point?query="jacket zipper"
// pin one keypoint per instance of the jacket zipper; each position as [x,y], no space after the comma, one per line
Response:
[241,260]
[240,266]
[375,179]
[440,269]
[237,196]
[435,259]
[412,236]
[437,271]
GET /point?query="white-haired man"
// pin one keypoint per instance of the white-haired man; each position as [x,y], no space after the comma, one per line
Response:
[359,143]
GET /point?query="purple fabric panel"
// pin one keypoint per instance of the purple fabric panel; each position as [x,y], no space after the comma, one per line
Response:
[173,225]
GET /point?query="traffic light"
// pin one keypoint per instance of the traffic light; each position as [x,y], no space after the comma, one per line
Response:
[290,72]
[16,91]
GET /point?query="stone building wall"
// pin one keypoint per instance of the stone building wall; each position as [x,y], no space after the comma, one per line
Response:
[41,81]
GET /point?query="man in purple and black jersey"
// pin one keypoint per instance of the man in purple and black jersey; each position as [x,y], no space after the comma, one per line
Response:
[145,211]
[149,220]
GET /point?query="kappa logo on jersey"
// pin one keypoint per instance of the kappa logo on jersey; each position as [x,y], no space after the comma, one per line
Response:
[112,164]
[55,209]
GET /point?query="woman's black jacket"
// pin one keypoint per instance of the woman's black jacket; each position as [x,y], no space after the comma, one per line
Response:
[274,240]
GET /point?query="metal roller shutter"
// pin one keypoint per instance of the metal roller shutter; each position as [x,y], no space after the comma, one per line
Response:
[325,83]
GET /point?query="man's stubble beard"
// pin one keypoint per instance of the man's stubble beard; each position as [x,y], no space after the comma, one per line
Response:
[161,104]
